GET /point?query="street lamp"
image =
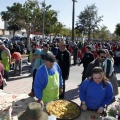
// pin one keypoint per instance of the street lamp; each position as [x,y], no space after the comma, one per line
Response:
[73,18]
[43,22]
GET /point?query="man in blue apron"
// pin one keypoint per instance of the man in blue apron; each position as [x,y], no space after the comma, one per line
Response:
[48,82]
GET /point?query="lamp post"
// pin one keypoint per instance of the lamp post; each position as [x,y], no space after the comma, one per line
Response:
[43,22]
[73,19]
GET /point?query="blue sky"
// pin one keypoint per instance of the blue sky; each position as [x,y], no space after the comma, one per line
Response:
[109,9]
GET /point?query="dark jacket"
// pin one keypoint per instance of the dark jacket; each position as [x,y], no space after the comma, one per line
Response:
[88,57]
[64,59]
[88,72]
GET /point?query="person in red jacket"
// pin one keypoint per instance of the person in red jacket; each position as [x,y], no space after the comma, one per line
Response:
[96,46]
[95,54]
[70,49]
[80,54]
[83,50]
[16,56]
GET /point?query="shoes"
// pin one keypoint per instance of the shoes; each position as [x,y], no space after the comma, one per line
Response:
[31,94]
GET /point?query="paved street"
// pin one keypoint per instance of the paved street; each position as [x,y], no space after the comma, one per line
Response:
[22,84]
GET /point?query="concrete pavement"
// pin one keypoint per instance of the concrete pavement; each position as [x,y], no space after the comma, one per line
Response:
[22,84]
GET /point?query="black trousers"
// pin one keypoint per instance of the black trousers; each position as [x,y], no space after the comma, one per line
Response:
[34,73]
[1,87]
[83,75]
[63,93]
[75,59]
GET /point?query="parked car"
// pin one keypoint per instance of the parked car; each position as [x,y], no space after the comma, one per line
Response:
[15,38]
[18,39]
[4,39]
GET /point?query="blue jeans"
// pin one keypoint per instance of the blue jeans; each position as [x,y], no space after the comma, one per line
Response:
[32,66]
[6,74]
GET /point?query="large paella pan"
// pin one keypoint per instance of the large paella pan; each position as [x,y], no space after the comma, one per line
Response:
[63,109]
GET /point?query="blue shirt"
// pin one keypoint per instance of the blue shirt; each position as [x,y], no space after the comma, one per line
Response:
[95,95]
[41,79]
[39,61]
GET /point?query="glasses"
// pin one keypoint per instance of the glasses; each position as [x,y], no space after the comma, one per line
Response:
[103,57]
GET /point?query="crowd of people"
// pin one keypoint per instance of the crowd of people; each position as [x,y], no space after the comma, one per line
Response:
[50,68]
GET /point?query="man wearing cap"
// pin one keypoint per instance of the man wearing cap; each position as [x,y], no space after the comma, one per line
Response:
[38,56]
[64,59]
[48,80]
[6,59]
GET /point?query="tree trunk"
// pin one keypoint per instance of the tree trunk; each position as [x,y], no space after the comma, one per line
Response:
[89,33]
[28,37]
[14,32]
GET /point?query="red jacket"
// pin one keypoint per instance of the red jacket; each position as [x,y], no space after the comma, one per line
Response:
[79,55]
[95,54]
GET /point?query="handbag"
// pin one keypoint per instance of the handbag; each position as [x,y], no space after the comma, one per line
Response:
[4,80]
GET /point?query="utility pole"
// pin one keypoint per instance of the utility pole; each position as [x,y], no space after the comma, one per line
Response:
[43,22]
[73,19]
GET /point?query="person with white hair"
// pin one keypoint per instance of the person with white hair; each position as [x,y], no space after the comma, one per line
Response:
[6,59]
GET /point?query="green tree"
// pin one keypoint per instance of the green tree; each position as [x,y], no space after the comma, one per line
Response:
[31,17]
[14,28]
[66,32]
[12,14]
[117,29]
[115,37]
[57,27]
[88,20]
[102,34]
[50,18]
[26,16]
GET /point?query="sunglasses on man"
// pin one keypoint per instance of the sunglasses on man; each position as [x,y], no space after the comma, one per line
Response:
[103,57]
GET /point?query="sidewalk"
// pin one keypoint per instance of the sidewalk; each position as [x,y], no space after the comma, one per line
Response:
[22,84]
